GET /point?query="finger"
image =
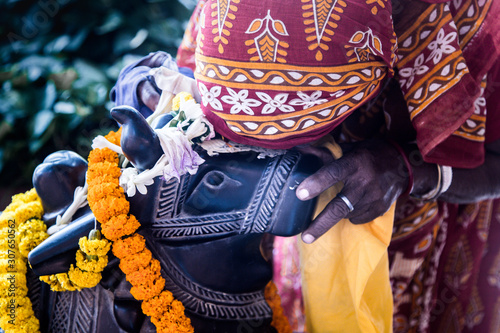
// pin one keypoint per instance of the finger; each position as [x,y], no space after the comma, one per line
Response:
[324,178]
[335,211]
[148,94]
[368,214]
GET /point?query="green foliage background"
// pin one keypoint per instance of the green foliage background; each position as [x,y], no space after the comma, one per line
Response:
[59,60]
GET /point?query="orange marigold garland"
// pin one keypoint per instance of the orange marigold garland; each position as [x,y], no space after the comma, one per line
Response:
[111,208]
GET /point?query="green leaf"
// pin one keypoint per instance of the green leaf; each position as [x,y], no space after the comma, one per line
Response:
[88,72]
[58,44]
[41,122]
[50,96]
[64,107]
[112,22]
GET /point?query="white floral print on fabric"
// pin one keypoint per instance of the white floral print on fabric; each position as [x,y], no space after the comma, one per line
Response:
[240,101]
[210,96]
[409,73]
[307,101]
[441,45]
[278,102]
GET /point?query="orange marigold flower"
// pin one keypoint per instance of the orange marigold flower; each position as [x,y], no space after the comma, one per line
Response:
[104,168]
[96,193]
[132,263]
[156,306]
[100,155]
[148,290]
[146,275]
[114,137]
[109,207]
[119,226]
[171,322]
[128,246]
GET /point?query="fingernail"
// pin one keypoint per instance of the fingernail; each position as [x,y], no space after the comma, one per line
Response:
[302,194]
[308,239]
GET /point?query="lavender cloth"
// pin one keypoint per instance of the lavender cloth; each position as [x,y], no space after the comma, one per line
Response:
[125,90]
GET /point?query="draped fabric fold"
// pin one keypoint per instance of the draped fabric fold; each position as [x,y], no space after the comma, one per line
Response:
[345,273]
[441,69]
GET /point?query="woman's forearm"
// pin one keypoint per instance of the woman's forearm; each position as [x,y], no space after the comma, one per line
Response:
[468,185]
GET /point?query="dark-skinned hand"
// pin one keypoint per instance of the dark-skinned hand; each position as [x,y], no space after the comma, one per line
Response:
[147,91]
[374,175]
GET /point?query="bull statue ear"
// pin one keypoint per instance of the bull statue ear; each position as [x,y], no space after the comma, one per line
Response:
[139,142]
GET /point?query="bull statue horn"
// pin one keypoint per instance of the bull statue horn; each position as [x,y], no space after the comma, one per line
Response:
[139,142]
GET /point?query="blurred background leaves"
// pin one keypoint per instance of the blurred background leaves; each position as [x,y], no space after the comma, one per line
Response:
[59,60]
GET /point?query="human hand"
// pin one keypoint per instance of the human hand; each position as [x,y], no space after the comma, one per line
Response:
[374,175]
[136,88]
[147,91]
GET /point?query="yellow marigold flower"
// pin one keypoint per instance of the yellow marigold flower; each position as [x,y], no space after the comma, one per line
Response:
[19,266]
[23,307]
[95,266]
[146,275]
[4,232]
[8,219]
[132,263]
[65,281]
[13,282]
[95,247]
[28,211]
[156,306]
[120,226]
[31,195]
[53,282]
[146,291]
[83,279]
[128,246]
[13,206]
[24,310]
[33,225]
[182,96]
[31,234]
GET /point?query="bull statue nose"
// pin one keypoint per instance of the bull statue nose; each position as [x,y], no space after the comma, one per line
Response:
[139,142]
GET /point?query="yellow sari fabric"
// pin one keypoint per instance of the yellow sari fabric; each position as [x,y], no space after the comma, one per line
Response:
[345,273]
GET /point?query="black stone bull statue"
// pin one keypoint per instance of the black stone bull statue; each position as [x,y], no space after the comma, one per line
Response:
[207,230]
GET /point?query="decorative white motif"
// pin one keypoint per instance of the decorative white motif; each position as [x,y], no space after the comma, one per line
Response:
[307,101]
[278,102]
[409,73]
[210,96]
[365,42]
[217,146]
[441,45]
[240,101]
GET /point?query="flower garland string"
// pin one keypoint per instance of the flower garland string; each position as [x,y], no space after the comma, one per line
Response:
[21,230]
[91,259]
[110,207]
